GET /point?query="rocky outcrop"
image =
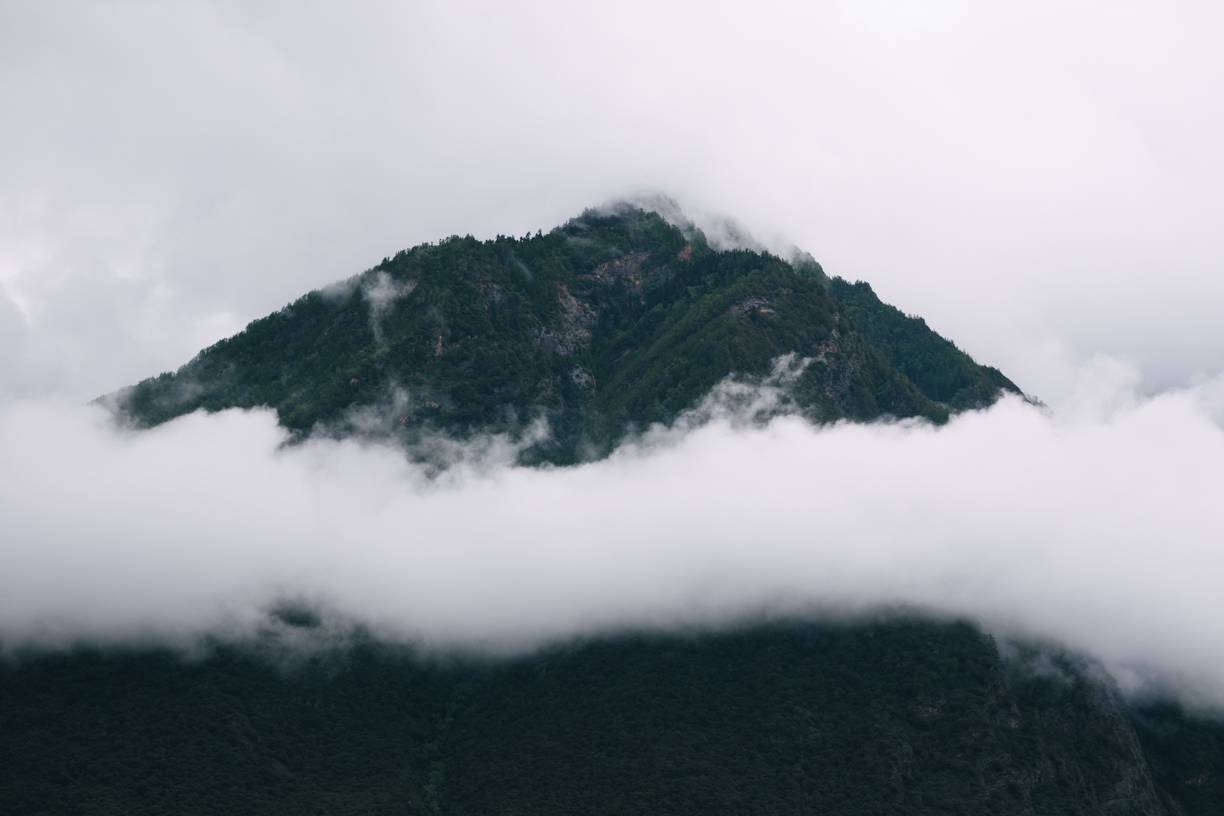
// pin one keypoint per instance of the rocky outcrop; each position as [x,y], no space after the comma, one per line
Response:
[571,332]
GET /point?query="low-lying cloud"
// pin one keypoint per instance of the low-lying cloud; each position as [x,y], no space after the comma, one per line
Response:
[1098,527]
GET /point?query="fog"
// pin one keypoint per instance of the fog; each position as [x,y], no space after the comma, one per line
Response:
[1097,529]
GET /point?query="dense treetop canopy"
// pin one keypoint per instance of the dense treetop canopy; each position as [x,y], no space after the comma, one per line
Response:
[613,321]
[892,717]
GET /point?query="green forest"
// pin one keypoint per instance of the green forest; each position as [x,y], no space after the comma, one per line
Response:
[610,323]
[886,717]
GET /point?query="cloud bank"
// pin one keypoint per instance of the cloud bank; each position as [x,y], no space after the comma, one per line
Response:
[1098,527]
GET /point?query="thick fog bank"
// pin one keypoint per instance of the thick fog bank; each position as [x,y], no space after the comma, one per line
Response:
[1098,527]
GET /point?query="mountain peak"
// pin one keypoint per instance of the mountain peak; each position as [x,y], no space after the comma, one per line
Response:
[619,318]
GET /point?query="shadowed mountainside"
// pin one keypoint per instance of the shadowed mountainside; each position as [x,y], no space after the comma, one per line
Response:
[895,717]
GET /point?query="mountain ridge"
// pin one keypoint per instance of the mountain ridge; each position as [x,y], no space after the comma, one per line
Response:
[615,320]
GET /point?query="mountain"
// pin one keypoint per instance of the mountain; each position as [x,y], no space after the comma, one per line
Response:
[614,321]
[885,717]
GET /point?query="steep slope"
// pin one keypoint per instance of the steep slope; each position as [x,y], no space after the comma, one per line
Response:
[894,717]
[1186,754]
[614,320]
[940,370]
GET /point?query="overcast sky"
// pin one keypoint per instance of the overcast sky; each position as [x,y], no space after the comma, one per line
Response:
[1044,183]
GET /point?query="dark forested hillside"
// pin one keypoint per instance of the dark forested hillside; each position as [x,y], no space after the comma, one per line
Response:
[894,717]
[615,320]
[934,364]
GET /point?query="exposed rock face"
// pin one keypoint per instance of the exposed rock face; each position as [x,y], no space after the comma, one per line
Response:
[572,331]
[839,358]
[751,304]
[627,269]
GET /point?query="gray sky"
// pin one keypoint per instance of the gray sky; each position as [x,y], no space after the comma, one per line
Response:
[1044,183]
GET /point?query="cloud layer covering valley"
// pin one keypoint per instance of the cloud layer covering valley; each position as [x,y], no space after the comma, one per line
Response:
[1097,527]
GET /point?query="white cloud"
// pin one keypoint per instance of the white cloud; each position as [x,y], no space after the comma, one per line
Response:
[1097,529]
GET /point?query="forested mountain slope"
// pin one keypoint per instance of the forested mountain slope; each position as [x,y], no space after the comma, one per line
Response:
[940,370]
[899,717]
[613,321]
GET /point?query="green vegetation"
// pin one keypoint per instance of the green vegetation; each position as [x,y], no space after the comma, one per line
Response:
[1186,755]
[613,321]
[899,717]
[934,364]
